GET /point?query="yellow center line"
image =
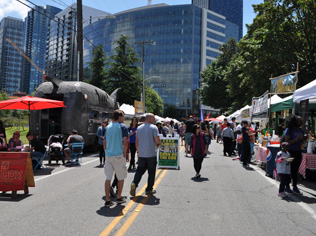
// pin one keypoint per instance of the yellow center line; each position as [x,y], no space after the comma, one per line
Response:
[117,219]
[131,219]
[124,211]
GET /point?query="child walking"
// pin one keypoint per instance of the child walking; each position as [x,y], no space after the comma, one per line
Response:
[283,168]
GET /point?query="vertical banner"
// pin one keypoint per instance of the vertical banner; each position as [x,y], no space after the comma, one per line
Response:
[304,113]
[168,154]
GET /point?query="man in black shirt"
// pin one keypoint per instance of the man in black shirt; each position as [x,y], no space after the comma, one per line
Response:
[37,147]
[188,132]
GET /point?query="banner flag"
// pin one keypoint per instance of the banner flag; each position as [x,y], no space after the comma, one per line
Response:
[283,84]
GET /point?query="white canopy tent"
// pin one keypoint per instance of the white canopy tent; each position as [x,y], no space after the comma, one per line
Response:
[221,117]
[306,92]
[128,109]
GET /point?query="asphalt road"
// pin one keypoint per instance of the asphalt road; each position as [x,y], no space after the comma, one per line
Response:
[226,200]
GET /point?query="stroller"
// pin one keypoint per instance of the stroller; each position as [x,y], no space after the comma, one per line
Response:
[56,148]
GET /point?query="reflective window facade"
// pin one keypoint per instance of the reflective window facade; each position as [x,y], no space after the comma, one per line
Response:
[61,50]
[172,65]
[231,9]
[36,25]
[10,58]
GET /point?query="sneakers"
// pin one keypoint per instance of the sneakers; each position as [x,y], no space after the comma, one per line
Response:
[288,191]
[121,200]
[197,176]
[112,194]
[283,195]
[108,203]
[150,192]
[297,191]
[133,190]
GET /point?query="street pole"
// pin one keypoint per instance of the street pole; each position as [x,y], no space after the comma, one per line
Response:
[79,41]
[143,93]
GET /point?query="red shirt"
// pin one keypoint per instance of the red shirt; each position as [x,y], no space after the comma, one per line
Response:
[223,126]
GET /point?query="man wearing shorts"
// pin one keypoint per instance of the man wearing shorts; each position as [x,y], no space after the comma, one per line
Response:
[188,132]
[115,145]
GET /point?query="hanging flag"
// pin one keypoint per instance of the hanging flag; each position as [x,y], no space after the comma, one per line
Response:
[208,116]
[195,118]
[202,119]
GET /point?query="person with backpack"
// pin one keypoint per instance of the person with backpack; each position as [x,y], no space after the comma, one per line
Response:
[198,147]
[294,135]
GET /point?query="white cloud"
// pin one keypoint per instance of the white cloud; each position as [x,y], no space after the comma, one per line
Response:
[13,8]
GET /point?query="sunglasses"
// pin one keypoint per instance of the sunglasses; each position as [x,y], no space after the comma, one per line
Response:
[16,134]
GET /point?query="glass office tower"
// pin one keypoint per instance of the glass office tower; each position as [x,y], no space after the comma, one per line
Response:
[186,38]
[10,59]
[36,24]
[231,9]
[61,50]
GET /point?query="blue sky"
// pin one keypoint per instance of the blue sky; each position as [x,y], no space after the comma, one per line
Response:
[16,9]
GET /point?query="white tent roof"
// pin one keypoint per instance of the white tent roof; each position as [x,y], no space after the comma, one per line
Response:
[306,92]
[275,99]
[128,109]
[221,117]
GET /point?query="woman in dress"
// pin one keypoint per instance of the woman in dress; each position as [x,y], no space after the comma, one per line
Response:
[15,142]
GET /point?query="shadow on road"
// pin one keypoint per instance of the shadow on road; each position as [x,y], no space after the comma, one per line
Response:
[202,179]
[116,210]
[6,197]
[150,200]
[41,171]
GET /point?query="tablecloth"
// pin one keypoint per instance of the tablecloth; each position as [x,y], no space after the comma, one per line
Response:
[262,153]
[308,162]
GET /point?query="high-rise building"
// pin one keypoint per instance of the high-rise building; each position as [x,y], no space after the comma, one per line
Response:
[186,39]
[10,59]
[61,50]
[231,9]
[36,24]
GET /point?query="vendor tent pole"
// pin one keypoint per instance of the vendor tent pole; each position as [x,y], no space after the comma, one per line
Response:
[293,109]
[269,113]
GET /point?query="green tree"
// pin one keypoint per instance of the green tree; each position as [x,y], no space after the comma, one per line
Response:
[124,73]
[97,67]
[214,88]
[154,103]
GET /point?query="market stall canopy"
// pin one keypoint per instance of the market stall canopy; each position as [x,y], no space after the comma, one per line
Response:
[128,109]
[244,114]
[306,92]
[221,117]
[284,104]
[235,114]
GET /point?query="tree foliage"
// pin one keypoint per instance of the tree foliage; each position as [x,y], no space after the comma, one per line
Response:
[124,73]
[97,67]
[154,103]
[214,88]
[282,34]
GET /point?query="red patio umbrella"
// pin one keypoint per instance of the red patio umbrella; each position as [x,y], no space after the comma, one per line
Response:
[30,103]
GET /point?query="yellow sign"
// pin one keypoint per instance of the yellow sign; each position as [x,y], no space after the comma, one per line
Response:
[138,107]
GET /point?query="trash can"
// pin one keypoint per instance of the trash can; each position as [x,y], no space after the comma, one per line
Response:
[273,150]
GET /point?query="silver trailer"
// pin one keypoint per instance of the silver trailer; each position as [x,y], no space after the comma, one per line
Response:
[86,107]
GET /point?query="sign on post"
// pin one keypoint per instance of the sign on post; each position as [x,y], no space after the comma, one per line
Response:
[139,108]
[168,153]
[284,84]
